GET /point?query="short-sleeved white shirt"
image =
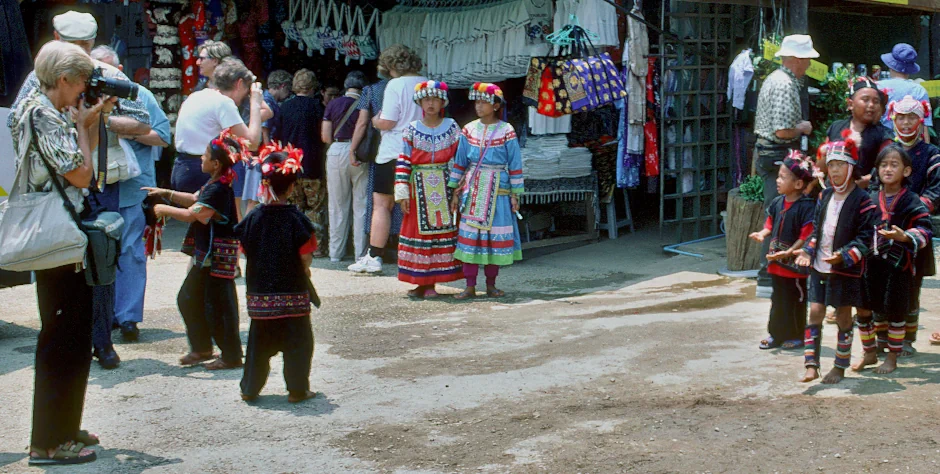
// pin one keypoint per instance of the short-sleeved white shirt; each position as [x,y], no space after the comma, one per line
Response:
[201,118]
[400,107]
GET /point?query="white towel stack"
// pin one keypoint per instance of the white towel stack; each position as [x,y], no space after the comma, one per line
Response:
[548,157]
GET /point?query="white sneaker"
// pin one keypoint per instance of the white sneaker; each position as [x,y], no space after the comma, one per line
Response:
[367,264]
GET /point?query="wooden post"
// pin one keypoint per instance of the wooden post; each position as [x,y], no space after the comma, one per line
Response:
[799,21]
[743,218]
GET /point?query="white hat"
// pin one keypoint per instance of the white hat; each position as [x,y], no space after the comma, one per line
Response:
[75,26]
[797,46]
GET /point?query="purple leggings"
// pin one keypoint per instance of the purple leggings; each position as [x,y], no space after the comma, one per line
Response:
[471,270]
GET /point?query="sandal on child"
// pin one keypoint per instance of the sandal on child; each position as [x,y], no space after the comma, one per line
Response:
[66,454]
[908,350]
[194,358]
[768,343]
[87,438]
[430,294]
[292,398]
[466,294]
[416,293]
[495,293]
[249,398]
[792,344]
[831,318]
[220,364]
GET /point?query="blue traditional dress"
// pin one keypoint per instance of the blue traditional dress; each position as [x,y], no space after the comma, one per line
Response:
[487,170]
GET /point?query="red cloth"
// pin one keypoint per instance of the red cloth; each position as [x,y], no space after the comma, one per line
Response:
[310,246]
[187,32]
[650,129]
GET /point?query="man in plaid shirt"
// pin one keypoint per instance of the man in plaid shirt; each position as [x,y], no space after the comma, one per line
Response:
[779,123]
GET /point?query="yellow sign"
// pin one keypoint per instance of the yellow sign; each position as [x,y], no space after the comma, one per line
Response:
[3,192]
[933,88]
[817,70]
[895,2]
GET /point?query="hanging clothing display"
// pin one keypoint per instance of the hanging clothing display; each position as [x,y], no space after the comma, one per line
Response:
[404,25]
[739,78]
[596,16]
[651,129]
[637,49]
[166,75]
[15,61]
[545,125]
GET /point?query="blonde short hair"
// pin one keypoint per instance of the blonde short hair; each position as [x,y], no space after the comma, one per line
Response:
[59,59]
[229,71]
[215,49]
[401,59]
[305,81]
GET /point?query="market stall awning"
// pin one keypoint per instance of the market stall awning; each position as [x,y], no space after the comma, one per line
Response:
[858,7]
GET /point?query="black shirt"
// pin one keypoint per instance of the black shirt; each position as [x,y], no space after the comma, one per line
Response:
[298,123]
[272,237]
[199,237]
[872,138]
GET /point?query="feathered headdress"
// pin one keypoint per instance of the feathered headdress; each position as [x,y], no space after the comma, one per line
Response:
[909,105]
[290,165]
[431,89]
[238,152]
[486,91]
[843,150]
[799,165]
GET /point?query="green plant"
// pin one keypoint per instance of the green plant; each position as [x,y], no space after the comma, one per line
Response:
[829,105]
[752,189]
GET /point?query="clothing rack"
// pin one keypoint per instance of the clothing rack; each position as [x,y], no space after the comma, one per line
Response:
[448,3]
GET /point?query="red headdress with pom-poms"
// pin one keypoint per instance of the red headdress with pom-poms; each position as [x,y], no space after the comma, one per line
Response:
[290,165]
[235,153]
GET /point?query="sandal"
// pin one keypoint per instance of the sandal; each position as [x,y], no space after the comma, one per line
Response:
[220,364]
[249,398]
[416,293]
[792,344]
[87,438]
[831,318]
[935,338]
[430,294]
[495,293]
[466,294]
[768,343]
[194,358]
[299,398]
[908,350]
[65,454]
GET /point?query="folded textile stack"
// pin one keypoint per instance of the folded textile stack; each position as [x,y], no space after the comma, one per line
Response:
[548,157]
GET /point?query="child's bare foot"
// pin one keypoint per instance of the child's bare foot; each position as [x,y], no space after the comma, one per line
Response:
[890,364]
[416,293]
[470,292]
[871,358]
[812,373]
[834,376]
[494,292]
[194,358]
[299,397]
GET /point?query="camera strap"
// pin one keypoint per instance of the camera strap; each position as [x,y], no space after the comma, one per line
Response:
[102,155]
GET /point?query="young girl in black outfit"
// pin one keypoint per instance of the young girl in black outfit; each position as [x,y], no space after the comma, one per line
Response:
[789,225]
[903,224]
[207,299]
[279,243]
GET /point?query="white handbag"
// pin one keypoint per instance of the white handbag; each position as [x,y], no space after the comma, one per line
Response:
[37,231]
[122,162]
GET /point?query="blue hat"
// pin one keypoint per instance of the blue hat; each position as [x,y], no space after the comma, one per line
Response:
[902,58]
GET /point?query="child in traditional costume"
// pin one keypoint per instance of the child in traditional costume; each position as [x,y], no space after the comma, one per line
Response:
[279,242]
[207,300]
[789,224]
[903,229]
[908,116]
[428,231]
[488,172]
[843,231]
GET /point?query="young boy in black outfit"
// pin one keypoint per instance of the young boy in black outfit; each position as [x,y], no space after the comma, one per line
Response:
[278,241]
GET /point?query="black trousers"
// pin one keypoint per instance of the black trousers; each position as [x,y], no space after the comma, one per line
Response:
[291,336]
[787,308]
[209,307]
[63,355]
[103,316]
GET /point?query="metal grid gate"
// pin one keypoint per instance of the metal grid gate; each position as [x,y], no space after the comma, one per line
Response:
[695,118]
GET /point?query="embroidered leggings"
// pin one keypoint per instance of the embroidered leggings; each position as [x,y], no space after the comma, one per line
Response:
[472,270]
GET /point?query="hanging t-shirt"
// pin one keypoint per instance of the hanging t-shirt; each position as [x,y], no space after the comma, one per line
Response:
[201,118]
[398,106]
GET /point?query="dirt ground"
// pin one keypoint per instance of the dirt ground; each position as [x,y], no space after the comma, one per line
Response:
[607,358]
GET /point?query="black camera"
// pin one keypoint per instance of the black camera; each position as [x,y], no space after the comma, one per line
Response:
[99,86]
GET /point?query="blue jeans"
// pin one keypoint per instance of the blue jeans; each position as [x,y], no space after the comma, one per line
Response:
[132,268]
[187,174]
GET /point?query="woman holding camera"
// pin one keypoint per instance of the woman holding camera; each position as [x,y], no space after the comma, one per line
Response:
[56,128]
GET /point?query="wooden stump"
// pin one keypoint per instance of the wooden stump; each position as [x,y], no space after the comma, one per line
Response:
[743,218]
